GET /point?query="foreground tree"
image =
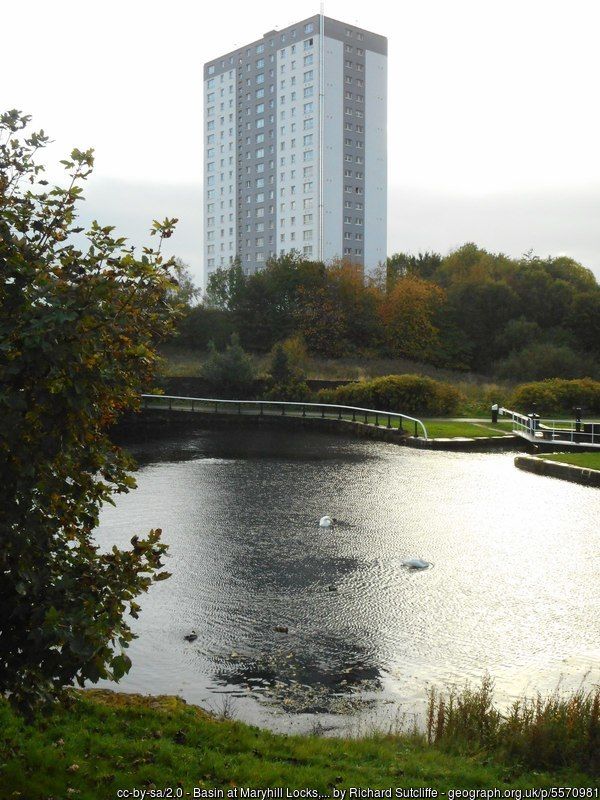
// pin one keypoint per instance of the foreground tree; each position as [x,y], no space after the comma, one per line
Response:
[77,334]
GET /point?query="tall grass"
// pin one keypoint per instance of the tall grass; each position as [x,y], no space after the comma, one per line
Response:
[550,732]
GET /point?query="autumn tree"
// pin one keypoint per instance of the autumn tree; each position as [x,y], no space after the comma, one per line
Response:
[408,313]
[78,328]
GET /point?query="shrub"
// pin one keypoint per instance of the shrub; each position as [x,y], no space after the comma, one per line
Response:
[293,390]
[286,381]
[556,395]
[408,394]
[543,360]
[231,371]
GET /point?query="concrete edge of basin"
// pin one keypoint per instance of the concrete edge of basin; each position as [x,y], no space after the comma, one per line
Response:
[556,469]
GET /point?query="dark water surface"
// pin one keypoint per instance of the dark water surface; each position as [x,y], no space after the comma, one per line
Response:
[514,586]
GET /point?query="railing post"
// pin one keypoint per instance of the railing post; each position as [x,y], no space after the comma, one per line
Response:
[322,412]
[303,411]
[416,431]
[216,406]
[239,408]
[170,404]
[376,419]
[389,421]
[192,404]
[366,417]
[261,410]
[283,409]
[339,414]
[353,415]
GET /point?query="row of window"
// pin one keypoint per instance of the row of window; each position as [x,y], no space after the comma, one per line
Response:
[210,249]
[211,96]
[259,49]
[259,227]
[307,205]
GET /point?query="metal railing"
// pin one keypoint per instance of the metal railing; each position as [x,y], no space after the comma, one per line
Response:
[559,431]
[368,416]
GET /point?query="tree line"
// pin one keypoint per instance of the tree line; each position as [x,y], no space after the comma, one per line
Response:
[529,317]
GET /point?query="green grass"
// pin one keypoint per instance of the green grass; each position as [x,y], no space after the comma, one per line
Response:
[446,430]
[587,460]
[107,742]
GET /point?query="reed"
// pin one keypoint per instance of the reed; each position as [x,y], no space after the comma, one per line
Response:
[550,732]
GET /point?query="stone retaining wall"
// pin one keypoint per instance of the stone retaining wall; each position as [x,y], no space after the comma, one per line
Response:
[555,469]
[151,419]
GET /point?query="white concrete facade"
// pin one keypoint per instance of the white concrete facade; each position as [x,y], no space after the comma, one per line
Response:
[333,149]
[220,170]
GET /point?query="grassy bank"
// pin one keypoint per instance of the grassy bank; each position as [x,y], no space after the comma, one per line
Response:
[182,362]
[107,742]
[448,429]
[586,460]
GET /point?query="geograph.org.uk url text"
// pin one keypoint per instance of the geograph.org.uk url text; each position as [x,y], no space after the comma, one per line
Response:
[358,793]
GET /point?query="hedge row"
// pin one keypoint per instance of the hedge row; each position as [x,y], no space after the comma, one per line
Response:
[556,395]
[407,394]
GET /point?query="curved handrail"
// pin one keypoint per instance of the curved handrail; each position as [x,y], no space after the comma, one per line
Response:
[556,431]
[285,403]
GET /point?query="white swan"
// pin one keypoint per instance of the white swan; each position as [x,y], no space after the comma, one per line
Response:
[416,563]
[326,522]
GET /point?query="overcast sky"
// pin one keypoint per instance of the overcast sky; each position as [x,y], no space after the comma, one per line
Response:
[494,113]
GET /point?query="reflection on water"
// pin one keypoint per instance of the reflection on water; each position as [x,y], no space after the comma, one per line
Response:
[514,589]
